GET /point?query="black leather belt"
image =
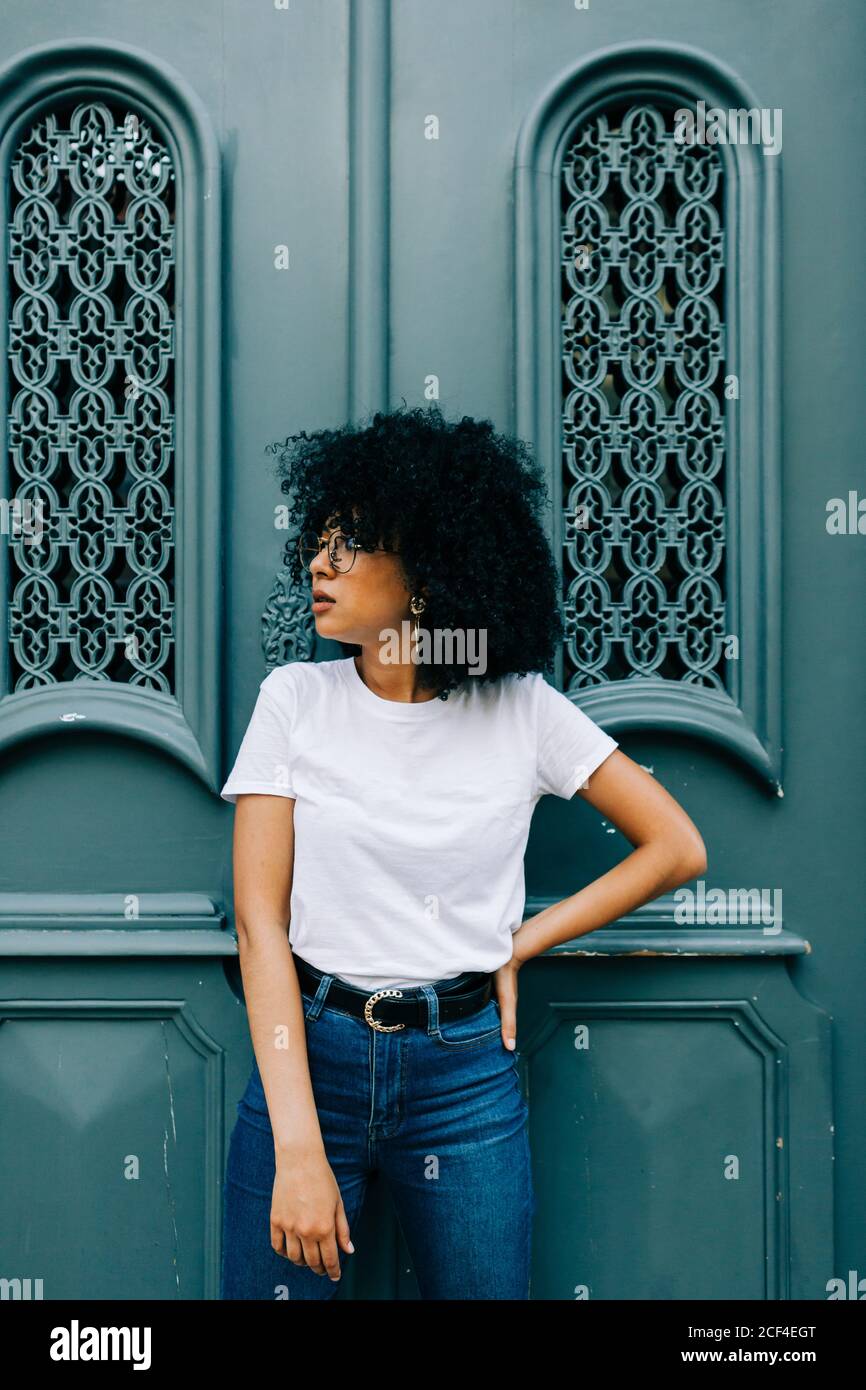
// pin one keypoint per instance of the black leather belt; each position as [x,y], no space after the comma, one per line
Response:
[396,1008]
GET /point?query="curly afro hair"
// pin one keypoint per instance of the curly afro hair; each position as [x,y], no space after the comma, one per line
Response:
[460,504]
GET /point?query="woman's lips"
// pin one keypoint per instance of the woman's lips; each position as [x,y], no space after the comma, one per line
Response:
[320,604]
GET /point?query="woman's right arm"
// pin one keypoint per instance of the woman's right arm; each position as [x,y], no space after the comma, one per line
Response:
[307,1214]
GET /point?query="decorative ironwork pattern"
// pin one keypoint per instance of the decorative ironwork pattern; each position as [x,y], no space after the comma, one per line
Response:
[643,427]
[91,346]
[288,625]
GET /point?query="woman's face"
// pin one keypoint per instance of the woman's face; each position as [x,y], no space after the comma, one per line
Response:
[364,600]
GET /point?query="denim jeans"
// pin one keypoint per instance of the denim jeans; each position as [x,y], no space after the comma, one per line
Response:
[439,1112]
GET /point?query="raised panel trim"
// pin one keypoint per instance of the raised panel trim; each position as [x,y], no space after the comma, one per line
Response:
[177,1012]
[792,1038]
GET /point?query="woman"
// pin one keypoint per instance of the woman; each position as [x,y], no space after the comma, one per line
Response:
[383,808]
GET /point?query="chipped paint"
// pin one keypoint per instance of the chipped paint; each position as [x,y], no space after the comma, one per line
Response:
[672,952]
[168,1082]
[171,1207]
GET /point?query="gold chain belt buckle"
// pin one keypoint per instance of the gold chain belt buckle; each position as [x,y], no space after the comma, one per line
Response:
[368,1010]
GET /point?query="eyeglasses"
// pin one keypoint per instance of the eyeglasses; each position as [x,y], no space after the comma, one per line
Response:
[342,549]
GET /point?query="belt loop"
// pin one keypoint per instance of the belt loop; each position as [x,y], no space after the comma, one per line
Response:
[319,1001]
[432,1008]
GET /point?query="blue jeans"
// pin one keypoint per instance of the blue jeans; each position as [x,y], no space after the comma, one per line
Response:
[439,1112]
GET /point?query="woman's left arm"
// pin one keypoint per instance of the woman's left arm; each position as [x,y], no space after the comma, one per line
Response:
[668,851]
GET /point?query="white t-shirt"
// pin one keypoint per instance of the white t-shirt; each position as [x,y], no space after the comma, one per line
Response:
[410,820]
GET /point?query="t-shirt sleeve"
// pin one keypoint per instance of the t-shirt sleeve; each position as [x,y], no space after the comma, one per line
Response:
[570,744]
[264,760]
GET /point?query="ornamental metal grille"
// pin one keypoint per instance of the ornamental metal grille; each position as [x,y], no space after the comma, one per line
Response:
[90,399]
[643,398]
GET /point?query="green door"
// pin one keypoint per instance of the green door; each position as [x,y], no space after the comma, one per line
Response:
[224,223]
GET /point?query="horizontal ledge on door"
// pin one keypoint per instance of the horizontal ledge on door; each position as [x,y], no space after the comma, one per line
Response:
[127,911]
[653,930]
[113,924]
[170,942]
[684,941]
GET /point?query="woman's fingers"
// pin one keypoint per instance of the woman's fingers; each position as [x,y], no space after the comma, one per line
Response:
[506,982]
[312,1255]
[344,1238]
[293,1247]
[509,1025]
[321,1256]
[330,1257]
